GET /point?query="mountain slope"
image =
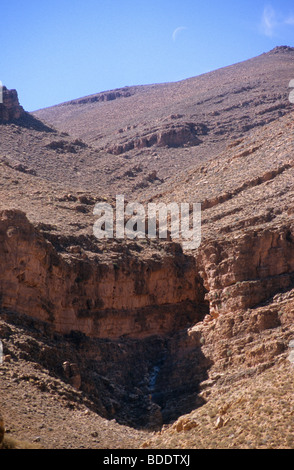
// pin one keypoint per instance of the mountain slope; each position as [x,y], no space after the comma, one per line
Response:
[168,128]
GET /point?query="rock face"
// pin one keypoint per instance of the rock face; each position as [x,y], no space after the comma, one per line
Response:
[243,272]
[10,109]
[136,298]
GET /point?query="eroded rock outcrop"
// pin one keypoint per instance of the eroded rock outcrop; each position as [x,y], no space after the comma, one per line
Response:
[10,109]
[244,271]
[104,96]
[169,135]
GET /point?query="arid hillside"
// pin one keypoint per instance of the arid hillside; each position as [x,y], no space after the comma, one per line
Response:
[139,343]
[169,128]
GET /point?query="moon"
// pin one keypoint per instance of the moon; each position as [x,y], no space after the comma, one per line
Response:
[177,31]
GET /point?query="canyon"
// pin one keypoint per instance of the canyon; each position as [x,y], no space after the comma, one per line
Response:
[146,343]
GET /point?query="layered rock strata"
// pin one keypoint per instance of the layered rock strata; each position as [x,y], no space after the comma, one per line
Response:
[246,270]
[134,297]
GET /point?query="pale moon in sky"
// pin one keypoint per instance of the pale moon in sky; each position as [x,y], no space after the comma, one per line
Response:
[177,31]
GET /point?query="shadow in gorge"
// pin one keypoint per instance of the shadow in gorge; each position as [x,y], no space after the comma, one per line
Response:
[142,383]
[176,389]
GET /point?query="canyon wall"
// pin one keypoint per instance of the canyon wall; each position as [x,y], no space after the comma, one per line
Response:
[136,297]
[244,271]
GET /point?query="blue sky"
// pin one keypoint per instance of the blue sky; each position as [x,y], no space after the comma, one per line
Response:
[57,50]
